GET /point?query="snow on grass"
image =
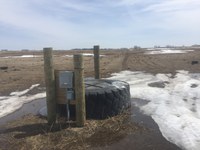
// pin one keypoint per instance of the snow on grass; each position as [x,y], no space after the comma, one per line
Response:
[23,56]
[84,54]
[25,91]
[167,51]
[70,56]
[175,108]
[9,104]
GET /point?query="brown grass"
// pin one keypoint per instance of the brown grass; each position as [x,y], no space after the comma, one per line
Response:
[32,132]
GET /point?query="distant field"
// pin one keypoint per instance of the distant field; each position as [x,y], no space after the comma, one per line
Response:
[25,68]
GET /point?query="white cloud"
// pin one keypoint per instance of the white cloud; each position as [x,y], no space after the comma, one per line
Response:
[173,5]
[116,23]
[49,29]
[128,2]
[23,16]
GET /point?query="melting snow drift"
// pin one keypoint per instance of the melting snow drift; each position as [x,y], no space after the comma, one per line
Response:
[84,54]
[9,104]
[175,106]
[167,51]
[23,56]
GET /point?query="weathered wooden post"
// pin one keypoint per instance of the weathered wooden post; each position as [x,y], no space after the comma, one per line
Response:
[50,85]
[79,90]
[96,62]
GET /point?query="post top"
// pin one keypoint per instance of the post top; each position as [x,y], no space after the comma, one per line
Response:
[47,48]
[78,61]
[96,46]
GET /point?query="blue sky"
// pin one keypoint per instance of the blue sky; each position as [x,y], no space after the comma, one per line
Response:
[66,24]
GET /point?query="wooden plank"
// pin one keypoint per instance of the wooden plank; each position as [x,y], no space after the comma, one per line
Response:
[96,62]
[50,85]
[79,90]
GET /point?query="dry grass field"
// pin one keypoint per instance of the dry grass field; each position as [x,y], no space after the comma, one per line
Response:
[24,72]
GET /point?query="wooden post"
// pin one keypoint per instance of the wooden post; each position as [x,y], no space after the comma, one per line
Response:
[96,62]
[79,90]
[50,85]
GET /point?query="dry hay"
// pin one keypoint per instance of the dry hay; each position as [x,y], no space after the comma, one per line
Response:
[32,132]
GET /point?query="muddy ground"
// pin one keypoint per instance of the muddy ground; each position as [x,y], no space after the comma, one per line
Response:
[20,73]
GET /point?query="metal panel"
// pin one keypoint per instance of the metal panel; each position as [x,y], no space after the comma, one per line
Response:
[66,79]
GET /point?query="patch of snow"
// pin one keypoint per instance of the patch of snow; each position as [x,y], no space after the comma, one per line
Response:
[167,51]
[29,56]
[24,92]
[175,108]
[70,56]
[84,54]
[161,48]
[9,104]
[118,84]
[23,56]
[88,54]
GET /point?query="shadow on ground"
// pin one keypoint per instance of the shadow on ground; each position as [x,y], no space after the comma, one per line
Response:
[29,130]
